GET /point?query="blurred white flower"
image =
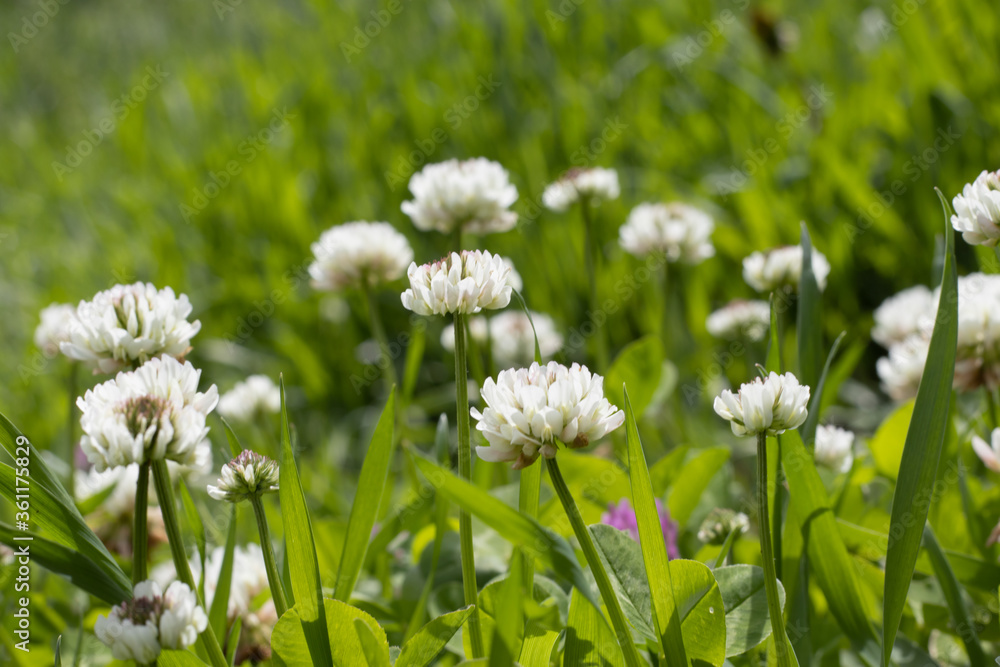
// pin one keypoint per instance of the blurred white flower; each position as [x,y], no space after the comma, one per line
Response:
[128,325]
[782,267]
[152,620]
[511,337]
[249,474]
[530,409]
[751,319]
[474,195]
[908,312]
[53,329]
[155,412]
[514,278]
[682,232]
[460,283]
[359,254]
[256,395]
[977,210]
[124,479]
[900,371]
[988,453]
[771,406]
[719,523]
[834,448]
[977,361]
[873,28]
[594,184]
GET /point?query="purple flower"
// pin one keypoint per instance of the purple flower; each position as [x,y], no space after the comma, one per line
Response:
[622,517]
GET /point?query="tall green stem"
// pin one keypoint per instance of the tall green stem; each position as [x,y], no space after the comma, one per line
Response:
[622,631]
[465,472]
[273,576]
[527,504]
[592,252]
[379,332]
[140,530]
[168,507]
[781,645]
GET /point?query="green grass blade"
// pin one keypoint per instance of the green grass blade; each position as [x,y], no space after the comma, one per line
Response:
[589,640]
[808,430]
[364,510]
[218,614]
[509,619]
[527,313]
[922,449]
[197,527]
[234,640]
[809,322]
[522,531]
[666,616]
[953,595]
[374,652]
[830,563]
[234,443]
[414,357]
[300,549]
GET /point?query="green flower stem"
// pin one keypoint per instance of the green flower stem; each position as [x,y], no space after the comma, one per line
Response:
[781,645]
[632,658]
[140,531]
[592,255]
[465,472]
[379,332]
[168,507]
[273,575]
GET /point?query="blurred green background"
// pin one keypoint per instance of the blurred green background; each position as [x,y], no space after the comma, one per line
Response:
[117,116]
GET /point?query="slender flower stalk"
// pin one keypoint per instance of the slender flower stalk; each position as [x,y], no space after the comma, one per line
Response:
[767,555]
[168,508]
[379,332]
[618,621]
[273,576]
[465,472]
[592,259]
[140,530]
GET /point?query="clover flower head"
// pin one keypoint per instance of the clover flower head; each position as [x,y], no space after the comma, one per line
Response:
[460,283]
[253,396]
[739,318]
[721,521]
[54,328]
[129,324]
[593,184]
[782,268]
[249,474]
[977,210]
[901,370]
[152,620]
[834,448]
[359,255]
[529,410]
[154,412]
[901,315]
[770,405]
[679,231]
[472,195]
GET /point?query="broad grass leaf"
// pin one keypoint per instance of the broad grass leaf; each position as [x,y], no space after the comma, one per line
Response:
[922,450]
[291,648]
[747,621]
[421,649]
[589,639]
[638,366]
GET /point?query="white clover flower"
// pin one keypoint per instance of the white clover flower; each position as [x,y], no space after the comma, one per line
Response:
[249,474]
[595,184]
[977,210]
[128,325]
[751,319]
[680,231]
[151,621]
[124,479]
[155,412]
[900,371]
[909,312]
[472,195]
[511,337]
[834,448]
[530,409]
[782,267]
[358,255]
[460,283]
[977,361]
[988,453]
[719,523]
[256,395]
[53,329]
[770,406]
[249,576]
